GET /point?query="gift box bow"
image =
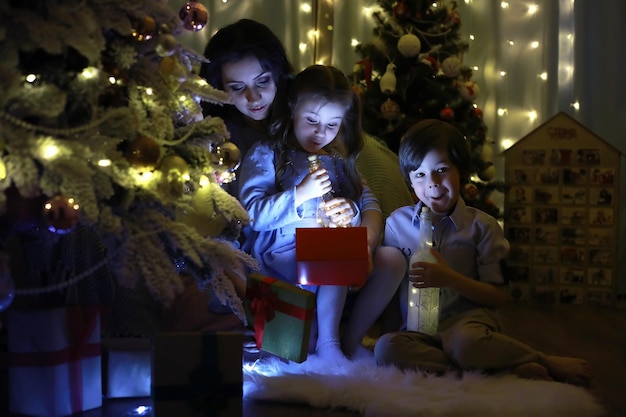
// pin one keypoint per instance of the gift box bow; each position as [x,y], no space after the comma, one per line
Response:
[263,306]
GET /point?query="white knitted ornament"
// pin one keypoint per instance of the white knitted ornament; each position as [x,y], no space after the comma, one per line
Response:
[409,45]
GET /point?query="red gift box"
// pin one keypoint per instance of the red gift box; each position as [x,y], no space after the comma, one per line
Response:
[54,360]
[331,256]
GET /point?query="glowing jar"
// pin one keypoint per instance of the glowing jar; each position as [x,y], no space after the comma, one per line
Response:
[423,311]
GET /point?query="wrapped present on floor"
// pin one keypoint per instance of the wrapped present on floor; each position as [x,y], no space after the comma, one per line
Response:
[127,363]
[332,256]
[282,315]
[54,361]
[197,374]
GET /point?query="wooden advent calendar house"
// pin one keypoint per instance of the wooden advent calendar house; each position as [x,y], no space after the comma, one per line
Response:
[561,215]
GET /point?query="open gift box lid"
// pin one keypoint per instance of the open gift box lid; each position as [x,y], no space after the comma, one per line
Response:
[331,256]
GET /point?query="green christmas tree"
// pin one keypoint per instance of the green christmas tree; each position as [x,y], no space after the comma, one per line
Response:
[413,70]
[107,168]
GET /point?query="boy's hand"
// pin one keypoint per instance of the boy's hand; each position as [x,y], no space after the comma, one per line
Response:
[428,274]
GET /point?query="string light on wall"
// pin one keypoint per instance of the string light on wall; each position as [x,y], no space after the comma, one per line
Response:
[533,8]
[566,53]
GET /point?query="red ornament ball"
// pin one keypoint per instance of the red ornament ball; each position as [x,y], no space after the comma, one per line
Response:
[401,11]
[447,114]
[390,110]
[194,16]
[61,214]
[143,153]
[476,112]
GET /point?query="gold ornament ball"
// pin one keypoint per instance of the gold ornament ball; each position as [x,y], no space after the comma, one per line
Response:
[143,153]
[194,16]
[172,70]
[61,214]
[166,45]
[144,29]
[174,164]
[226,157]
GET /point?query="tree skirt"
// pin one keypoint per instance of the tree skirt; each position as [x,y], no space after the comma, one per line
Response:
[375,391]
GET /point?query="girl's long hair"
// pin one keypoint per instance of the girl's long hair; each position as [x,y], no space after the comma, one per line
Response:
[327,84]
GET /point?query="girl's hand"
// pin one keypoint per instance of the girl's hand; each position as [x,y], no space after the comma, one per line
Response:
[340,210]
[314,185]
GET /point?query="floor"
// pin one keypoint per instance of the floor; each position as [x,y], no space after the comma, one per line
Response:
[597,334]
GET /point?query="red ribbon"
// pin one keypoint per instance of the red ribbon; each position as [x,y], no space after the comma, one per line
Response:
[264,304]
[81,323]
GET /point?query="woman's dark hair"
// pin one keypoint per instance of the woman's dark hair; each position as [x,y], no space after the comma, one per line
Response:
[430,134]
[244,38]
[327,84]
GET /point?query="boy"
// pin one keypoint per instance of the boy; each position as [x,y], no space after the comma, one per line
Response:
[470,247]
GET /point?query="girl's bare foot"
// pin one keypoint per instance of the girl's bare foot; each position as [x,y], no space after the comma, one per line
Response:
[574,371]
[532,370]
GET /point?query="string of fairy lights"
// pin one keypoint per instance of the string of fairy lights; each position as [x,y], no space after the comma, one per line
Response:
[521,51]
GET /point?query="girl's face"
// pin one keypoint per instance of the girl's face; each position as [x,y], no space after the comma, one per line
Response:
[252,90]
[316,123]
[437,182]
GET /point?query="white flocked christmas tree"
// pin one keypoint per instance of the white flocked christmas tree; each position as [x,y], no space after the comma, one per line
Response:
[108,171]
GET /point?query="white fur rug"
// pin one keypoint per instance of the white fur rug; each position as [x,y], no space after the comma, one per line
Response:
[387,392]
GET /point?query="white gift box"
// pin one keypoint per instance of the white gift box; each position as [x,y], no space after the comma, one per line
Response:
[127,370]
[54,361]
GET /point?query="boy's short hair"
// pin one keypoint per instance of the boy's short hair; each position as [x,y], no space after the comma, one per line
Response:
[430,134]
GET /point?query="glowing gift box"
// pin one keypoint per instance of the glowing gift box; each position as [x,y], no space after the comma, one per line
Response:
[127,365]
[331,256]
[282,315]
[54,360]
[197,374]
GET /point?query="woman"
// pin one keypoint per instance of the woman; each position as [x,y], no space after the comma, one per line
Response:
[250,63]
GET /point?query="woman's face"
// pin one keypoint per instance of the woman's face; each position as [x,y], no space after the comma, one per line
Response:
[316,123]
[252,90]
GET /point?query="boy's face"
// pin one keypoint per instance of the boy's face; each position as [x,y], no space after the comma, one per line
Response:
[316,123]
[251,89]
[437,182]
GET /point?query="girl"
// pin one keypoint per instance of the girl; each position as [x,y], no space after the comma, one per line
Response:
[320,115]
